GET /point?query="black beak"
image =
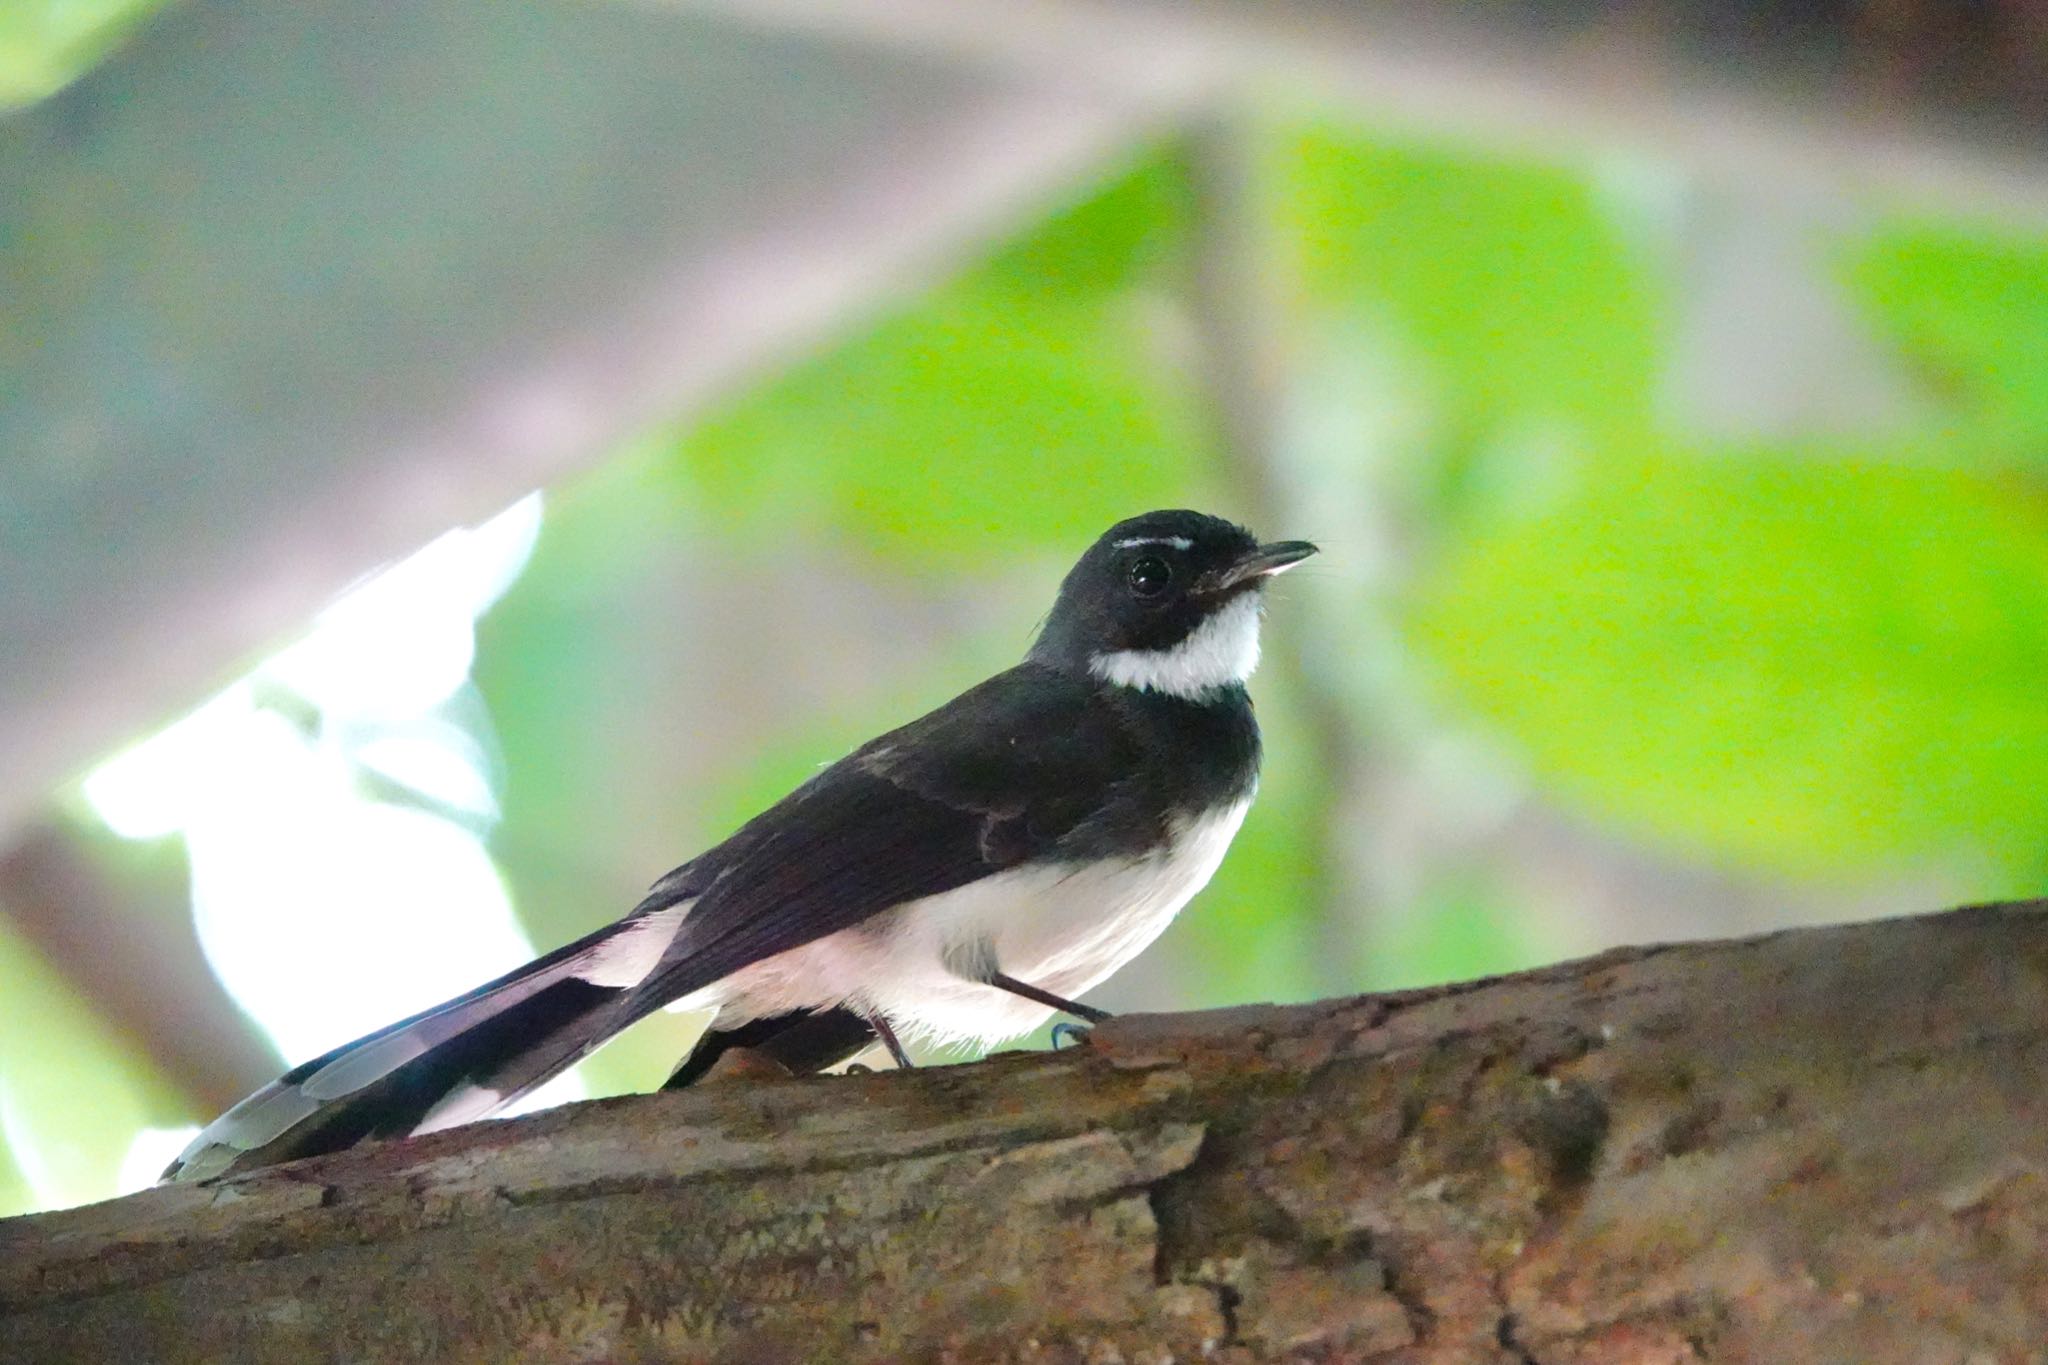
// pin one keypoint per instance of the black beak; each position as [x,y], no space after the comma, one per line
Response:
[1265,562]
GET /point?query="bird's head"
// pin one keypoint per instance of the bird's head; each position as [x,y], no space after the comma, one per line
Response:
[1167,602]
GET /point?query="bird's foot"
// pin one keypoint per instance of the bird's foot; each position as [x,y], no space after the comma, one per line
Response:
[745,1064]
[1066,1034]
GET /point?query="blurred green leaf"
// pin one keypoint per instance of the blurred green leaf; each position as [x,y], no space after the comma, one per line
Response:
[73,1093]
[1455,933]
[1521,294]
[46,43]
[1022,405]
[1807,664]
[1971,313]
[977,421]
[1126,232]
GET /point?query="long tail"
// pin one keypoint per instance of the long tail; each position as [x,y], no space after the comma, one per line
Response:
[459,1061]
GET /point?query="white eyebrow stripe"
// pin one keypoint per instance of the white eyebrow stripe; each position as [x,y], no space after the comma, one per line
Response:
[1177,542]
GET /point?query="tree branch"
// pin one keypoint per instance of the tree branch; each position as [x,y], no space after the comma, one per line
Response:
[1819,1145]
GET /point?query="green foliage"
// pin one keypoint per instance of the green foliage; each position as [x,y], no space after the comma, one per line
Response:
[1130,231]
[1805,665]
[1021,405]
[1512,283]
[1802,661]
[46,43]
[1457,931]
[1971,313]
[73,1092]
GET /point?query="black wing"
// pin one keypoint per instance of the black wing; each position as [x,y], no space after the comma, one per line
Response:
[1016,769]
[1021,767]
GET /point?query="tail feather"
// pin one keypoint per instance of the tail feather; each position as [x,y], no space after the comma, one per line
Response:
[459,1061]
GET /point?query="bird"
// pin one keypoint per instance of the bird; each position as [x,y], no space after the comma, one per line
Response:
[960,879]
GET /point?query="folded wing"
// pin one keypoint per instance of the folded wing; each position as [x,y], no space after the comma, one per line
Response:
[941,802]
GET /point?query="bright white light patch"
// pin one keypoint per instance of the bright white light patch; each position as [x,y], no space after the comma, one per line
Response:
[401,642]
[325,913]
[327,917]
[149,1152]
[562,1089]
[438,760]
[150,790]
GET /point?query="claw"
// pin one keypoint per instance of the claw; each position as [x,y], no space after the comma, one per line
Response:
[1066,1034]
[745,1063]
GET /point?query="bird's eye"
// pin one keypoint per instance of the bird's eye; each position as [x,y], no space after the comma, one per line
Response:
[1150,575]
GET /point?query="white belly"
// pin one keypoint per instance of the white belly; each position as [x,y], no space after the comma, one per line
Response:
[1061,927]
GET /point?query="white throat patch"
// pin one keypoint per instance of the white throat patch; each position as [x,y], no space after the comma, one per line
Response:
[1222,650]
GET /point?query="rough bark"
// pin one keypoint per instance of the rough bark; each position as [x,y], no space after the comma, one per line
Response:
[1821,1145]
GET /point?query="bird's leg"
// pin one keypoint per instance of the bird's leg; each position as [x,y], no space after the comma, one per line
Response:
[800,1042]
[1046,998]
[888,1037]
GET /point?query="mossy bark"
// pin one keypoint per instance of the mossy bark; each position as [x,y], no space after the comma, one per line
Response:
[1823,1145]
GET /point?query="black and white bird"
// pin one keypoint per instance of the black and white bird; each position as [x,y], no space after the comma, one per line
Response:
[959,879]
